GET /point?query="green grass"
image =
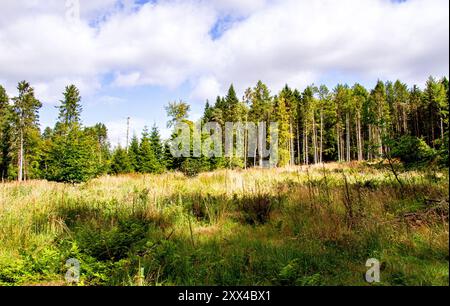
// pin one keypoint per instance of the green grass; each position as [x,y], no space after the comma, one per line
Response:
[293,226]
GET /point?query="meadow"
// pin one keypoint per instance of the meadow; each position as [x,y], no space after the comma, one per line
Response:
[302,226]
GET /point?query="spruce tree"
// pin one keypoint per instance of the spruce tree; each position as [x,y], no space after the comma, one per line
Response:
[120,163]
[25,119]
[5,134]
[148,162]
[133,153]
[73,156]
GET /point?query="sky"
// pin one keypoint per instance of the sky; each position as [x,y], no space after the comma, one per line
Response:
[129,58]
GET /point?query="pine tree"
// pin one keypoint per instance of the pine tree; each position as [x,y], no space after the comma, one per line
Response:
[120,163]
[5,134]
[74,156]
[435,100]
[284,136]
[148,162]
[70,108]
[380,118]
[25,119]
[155,140]
[133,153]
[360,96]
[99,134]
[231,111]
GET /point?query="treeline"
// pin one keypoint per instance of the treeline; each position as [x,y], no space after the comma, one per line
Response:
[314,126]
[343,124]
[68,152]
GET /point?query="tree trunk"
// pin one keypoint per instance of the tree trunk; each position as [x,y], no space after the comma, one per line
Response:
[291,137]
[321,136]
[338,139]
[314,140]
[369,148]
[359,137]
[405,121]
[20,174]
[245,144]
[380,143]
[347,130]
[298,144]
[306,148]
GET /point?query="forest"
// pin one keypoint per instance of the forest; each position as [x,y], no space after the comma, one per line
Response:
[362,174]
[315,126]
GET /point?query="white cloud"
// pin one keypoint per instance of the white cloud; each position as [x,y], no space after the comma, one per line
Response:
[206,88]
[117,130]
[169,43]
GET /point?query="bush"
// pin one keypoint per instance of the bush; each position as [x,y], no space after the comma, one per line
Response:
[191,167]
[412,150]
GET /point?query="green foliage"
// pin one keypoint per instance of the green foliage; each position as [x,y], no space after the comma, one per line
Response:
[120,163]
[5,134]
[193,166]
[70,108]
[148,161]
[411,150]
[72,158]
[133,153]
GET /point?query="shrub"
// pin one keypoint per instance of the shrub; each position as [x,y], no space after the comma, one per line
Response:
[191,167]
[411,150]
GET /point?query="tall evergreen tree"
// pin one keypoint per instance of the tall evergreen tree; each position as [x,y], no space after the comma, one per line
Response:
[133,153]
[70,108]
[148,162]
[5,134]
[120,163]
[74,154]
[25,118]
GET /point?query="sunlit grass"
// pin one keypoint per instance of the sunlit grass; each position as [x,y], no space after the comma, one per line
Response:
[312,225]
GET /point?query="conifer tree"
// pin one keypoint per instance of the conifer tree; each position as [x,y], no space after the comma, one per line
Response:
[148,162]
[25,118]
[5,134]
[133,153]
[120,163]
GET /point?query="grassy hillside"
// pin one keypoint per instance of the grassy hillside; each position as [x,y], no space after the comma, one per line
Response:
[293,226]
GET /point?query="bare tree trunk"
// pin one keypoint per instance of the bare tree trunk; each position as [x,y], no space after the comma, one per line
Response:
[380,143]
[298,144]
[347,130]
[338,138]
[442,128]
[359,137]
[25,168]
[245,143]
[306,148]
[291,137]
[321,136]
[20,165]
[342,146]
[314,140]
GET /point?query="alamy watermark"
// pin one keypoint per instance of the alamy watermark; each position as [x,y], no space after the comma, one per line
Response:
[73,271]
[238,140]
[72,11]
[373,274]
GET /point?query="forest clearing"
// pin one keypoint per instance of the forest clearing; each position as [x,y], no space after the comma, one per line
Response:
[224,151]
[310,225]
